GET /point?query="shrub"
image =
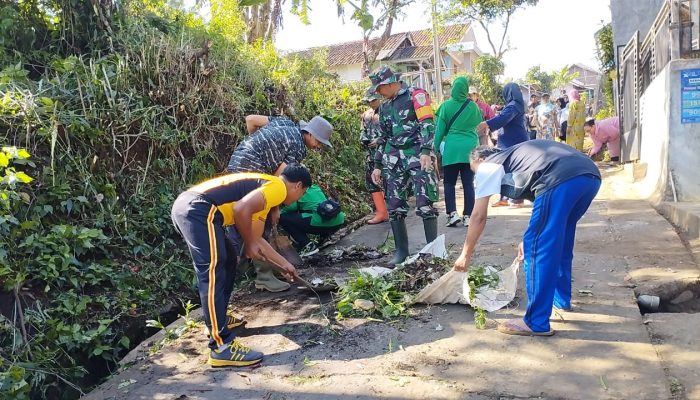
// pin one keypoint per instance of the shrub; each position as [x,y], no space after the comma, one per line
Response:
[87,249]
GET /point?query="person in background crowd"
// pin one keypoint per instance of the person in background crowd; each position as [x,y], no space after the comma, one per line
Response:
[589,108]
[563,118]
[486,112]
[531,116]
[577,116]
[274,143]
[369,138]
[496,108]
[404,156]
[547,119]
[456,137]
[512,120]
[562,183]
[604,131]
[303,217]
[242,201]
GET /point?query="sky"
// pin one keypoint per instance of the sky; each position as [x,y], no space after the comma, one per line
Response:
[552,34]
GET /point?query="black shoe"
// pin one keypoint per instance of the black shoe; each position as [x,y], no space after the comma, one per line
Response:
[309,250]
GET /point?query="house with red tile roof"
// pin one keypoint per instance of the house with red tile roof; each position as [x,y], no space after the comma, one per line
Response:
[410,53]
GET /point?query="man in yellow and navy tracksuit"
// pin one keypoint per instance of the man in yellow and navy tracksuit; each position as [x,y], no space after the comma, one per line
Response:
[243,201]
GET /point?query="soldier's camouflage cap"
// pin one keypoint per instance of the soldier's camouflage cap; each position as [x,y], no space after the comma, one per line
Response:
[371,94]
[383,76]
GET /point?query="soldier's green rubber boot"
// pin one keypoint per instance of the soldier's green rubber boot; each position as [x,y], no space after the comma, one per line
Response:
[430,227]
[400,241]
[267,280]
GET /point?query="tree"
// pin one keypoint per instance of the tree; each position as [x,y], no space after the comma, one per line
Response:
[562,77]
[262,17]
[605,49]
[486,69]
[535,76]
[387,11]
[37,29]
[605,52]
[363,13]
[485,13]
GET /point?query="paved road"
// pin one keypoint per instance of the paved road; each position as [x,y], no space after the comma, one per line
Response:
[602,350]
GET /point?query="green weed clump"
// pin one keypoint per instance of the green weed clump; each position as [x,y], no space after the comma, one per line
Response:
[479,278]
[388,302]
[103,122]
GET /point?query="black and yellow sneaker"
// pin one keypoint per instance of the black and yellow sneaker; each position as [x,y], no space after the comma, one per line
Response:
[234,354]
[233,321]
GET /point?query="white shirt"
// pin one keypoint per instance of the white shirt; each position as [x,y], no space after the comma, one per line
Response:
[488,179]
[564,114]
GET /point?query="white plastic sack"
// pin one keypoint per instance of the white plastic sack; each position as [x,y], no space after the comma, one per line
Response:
[446,290]
[492,299]
[436,248]
[376,271]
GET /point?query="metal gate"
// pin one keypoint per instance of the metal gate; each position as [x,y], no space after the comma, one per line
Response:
[629,101]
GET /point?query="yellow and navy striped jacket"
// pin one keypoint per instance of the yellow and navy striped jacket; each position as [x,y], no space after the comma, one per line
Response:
[224,191]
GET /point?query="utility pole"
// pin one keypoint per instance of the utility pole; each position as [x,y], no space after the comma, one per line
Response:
[437,57]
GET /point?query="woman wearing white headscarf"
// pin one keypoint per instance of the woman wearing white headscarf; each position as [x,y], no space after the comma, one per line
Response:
[546,119]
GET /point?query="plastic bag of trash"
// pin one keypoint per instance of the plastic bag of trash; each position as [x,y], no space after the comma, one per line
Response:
[494,298]
[446,290]
[436,248]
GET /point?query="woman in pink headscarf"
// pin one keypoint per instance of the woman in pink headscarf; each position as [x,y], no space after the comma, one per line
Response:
[577,116]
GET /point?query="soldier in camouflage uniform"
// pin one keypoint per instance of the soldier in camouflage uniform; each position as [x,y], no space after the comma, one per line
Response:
[369,138]
[404,156]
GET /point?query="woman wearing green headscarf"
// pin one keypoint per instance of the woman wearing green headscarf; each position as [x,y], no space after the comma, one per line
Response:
[455,138]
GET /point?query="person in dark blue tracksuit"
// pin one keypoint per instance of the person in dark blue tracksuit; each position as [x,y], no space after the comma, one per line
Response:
[562,183]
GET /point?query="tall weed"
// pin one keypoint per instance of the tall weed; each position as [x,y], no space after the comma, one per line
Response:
[87,249]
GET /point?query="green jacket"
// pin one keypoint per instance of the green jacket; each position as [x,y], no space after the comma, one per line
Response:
[462,137]
[307,205]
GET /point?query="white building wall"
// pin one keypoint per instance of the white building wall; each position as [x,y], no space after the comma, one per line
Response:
[667,146]
[348,73]
[654,120]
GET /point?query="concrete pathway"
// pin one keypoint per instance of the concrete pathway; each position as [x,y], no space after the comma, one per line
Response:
[602,350]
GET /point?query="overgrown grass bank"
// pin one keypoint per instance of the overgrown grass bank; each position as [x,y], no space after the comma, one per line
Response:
[118,122]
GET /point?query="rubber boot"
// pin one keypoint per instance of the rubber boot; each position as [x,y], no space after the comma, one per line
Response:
[267,280]
[400,241]
[381,214]
[430,228]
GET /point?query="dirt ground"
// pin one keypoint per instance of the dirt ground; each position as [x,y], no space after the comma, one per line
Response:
[604,349]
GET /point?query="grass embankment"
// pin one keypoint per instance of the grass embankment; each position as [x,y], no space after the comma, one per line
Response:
[118,122]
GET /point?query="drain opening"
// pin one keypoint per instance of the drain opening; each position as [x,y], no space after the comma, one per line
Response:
[685,300]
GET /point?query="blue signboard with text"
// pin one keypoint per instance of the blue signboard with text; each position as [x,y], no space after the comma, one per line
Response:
[690,96]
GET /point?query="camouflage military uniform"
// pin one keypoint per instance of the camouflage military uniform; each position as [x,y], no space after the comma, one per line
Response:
[407,130]
[370,132]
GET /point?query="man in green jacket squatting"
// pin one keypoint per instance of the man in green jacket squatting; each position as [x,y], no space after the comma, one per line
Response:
[302,218]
